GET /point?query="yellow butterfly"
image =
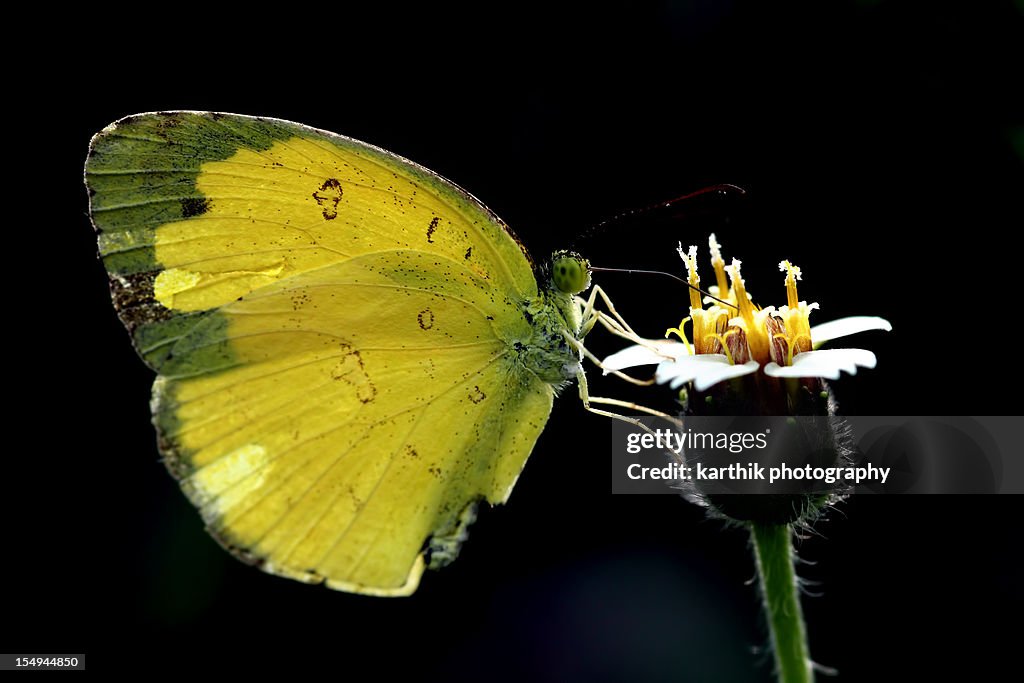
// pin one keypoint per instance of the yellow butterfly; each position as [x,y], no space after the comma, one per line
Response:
[352,352]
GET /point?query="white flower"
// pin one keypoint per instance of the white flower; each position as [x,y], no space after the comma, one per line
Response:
[652,352]
[782,341]
[704,370]
[834,329]
[825,364]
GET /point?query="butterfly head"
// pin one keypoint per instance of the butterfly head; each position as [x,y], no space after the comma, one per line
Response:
[570,272]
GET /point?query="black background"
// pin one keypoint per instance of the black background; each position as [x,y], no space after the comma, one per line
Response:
[881,147]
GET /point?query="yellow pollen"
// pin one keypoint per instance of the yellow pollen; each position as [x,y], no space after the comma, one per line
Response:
[690,259]
[742,299]
[792,275]
[719,265]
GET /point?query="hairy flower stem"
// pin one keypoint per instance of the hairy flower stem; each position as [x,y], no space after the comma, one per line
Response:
[773,551]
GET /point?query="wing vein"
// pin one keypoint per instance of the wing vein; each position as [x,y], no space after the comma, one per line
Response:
[332,465]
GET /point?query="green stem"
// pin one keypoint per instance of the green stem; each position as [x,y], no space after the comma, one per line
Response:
[773,550]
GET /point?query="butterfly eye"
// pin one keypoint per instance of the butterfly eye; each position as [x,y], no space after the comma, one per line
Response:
[570,272]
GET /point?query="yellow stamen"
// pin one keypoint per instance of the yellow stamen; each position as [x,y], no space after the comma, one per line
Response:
[751,318]
[795,313]
[743,301]
[719,265]
[690,259]
[715,319]
[679,332]
[792,275]
[721,340]
[792,344]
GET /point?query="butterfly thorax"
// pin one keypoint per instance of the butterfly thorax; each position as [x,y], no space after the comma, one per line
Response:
[548,353]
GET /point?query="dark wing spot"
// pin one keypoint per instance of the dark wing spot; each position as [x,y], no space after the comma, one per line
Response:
[194,206]
[299,299]
[350,369]
[328,197]
[366,392]
[425,318]
[431,228]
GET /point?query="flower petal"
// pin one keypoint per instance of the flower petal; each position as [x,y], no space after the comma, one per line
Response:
[827,364]
[834,329]
[631,356]
[703,370]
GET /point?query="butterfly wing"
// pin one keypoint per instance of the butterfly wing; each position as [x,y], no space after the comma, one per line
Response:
[335,331]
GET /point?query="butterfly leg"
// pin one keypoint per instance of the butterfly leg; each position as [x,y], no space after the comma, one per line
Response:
[591,315]
[617,325]
[587,399]
[597,361]
[581,380]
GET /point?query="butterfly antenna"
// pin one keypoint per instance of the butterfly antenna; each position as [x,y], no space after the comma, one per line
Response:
[723,190]
[661,272]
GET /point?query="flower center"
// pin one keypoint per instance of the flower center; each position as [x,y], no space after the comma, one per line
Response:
[761,334]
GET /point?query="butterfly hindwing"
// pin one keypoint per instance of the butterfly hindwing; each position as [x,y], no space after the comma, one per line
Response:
[335,334]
